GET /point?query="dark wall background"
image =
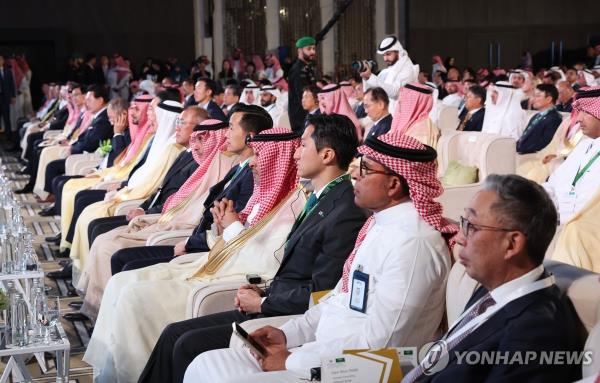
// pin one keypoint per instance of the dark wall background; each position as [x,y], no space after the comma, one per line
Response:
[49,30]
[465,28]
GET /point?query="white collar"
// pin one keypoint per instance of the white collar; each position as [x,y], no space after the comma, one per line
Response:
[393,214]
[204,106]
[473,111]
[318,192]
[98,113]
[503,291]
[314,110]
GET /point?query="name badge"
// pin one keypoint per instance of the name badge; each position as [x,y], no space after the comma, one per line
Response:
[360,289]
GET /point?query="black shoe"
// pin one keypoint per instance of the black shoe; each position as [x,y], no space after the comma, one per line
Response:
[54,238]
[61,254]
[49,212]
[76,305]
[26,189]
[76,316]
[65,262]
[64,273]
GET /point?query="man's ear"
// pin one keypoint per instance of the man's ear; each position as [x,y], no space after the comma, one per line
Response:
[328,156]
[516,244]
[395,187]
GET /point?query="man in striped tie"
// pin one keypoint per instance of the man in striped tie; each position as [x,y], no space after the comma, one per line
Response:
[518,312]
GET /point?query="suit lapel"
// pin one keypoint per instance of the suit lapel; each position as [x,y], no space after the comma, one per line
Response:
[320,211]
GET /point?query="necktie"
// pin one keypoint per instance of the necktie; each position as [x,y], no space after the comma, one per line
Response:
[464,121]
[312,202]
[478,309]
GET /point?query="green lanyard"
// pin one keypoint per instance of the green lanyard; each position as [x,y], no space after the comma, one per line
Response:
[308,208]
[327,188]
[581,172]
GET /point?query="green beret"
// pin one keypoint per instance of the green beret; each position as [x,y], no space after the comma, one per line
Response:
[305,41]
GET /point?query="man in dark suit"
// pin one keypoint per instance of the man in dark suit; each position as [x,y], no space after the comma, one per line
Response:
[300,75]
[310,102]
[317,247]
[542,126]
[471,117]
[8,96]
[518,310]
[231,97]
[204,91]
[376,103]
[88,141]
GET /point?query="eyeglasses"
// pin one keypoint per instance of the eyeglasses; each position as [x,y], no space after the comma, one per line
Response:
[364,170]
[180,121]
[468,228]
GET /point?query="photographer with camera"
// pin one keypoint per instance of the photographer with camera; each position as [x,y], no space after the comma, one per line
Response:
[400,70]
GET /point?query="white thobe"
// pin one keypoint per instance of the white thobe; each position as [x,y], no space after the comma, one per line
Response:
[559,183]
[407,262]
[392,78]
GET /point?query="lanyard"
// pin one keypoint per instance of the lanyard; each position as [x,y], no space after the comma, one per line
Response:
[581,172]
[476,322]
[327,188]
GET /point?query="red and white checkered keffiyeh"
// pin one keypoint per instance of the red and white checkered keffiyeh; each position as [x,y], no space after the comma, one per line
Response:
[588,103]
[411,107]
[138,131]
[423,186]
[278,174]
[212,142]
[336,102]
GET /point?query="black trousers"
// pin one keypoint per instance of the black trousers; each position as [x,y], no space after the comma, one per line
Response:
[54,169]
[181,342]
[83,199]
[31,140]
[57,185]
[132,258]
[5,115]
[104,225]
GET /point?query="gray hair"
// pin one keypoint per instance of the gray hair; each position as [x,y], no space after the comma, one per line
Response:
[119,105]
[525,206]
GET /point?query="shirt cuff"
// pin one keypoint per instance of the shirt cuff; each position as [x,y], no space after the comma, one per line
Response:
[290,331]
[117,134]
[231,231]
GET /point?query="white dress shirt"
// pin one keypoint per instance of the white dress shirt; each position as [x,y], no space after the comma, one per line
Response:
[559,183]
[407,262]
[231,231]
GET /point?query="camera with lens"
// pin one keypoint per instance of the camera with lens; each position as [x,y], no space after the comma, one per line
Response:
[362,65]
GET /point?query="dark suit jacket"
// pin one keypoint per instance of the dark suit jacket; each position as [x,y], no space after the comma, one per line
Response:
[118,144]
[299,76]
[475,123]
[544,320]
[189,101]
[360,111]
[315,252]
[7,86]
[538,136]
[239,190]
[178,173]
[215,112]
[59,119]
[382,127]
[88,141]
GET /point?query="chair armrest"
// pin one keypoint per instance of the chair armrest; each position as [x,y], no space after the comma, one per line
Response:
[255,324]
[48,134]
[212,297]
[126,206]
[172,237]
[104,185]
[75,162]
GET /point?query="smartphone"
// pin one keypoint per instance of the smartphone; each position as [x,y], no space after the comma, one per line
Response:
[248,340]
